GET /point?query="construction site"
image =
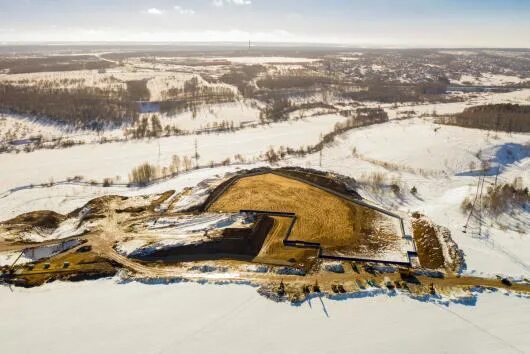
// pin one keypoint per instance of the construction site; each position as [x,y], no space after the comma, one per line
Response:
[290,231]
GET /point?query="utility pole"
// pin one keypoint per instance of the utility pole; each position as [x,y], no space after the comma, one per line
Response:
[480,181]
[196,155]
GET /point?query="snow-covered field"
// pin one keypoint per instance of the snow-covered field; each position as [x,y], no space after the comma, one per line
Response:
[206,117]
[99,161]
[488,79]
[516,97]
[102,316]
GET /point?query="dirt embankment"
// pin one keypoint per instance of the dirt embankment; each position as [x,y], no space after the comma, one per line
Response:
[436,249]
[429,249]
[340,184]
[42,218]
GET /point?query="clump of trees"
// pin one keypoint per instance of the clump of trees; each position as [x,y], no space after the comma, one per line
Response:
[500,198]
[143,174]
[499,117]
[433,87]
[147,173]
[395,91]
[242,77]
[147,127]
[277,110]
[380,91]
[194,91]
[137,90]
[83,107]
[503,197]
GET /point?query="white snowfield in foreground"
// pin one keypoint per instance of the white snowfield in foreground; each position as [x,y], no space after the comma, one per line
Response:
[104,317]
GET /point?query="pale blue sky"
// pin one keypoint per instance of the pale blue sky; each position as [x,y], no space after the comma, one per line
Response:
[422,23]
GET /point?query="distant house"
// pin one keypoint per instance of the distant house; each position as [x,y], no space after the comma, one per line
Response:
[148,107]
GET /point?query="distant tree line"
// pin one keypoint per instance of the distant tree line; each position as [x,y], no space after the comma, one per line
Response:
[390,92]
[499,117]
[19,65]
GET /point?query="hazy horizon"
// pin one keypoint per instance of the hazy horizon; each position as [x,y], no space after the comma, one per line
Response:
[361,23]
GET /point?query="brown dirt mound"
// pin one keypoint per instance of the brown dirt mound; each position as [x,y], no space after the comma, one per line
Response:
[98,205]
[322,217]
[429,248]
[42,218]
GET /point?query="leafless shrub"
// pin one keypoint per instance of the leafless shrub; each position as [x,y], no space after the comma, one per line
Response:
[143,174]
[466,205]
[107,182]
[271,156]
[504,197]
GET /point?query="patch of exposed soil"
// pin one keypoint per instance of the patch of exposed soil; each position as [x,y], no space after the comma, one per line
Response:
[429,249]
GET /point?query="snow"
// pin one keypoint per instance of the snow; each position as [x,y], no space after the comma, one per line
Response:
[239,113]
[181,230]
[197,318]
[63,198]
[36,253]
[98,161]
[7,258]
[516,97]
[488,79]
[415,143]
[438,165]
